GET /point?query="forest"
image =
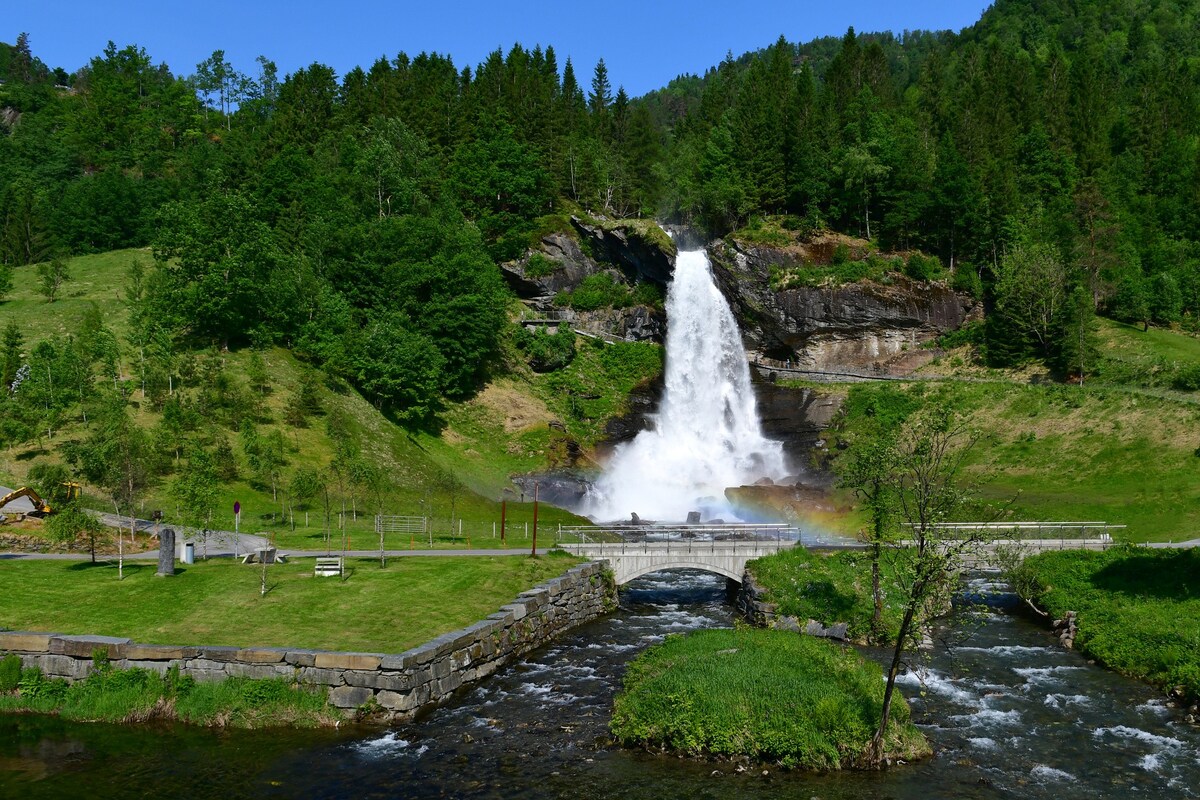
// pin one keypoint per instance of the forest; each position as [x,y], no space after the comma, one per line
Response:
[1046,159]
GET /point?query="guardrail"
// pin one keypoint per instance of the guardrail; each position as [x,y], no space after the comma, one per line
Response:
[634,533]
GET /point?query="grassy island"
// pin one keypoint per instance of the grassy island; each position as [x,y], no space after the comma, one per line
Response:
[1138,609]
[765,695]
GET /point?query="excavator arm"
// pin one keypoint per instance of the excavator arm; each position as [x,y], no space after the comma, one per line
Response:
[39,505]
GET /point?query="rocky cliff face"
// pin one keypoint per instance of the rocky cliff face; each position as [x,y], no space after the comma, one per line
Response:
[563,260]
[798,417]
[857,326]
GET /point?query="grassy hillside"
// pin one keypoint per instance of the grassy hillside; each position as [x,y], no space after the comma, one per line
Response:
[454,472]
[98,279]
[1122,452]
[1155,357]
[1071,453]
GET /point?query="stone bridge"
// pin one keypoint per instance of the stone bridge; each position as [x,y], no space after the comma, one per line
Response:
[631,560]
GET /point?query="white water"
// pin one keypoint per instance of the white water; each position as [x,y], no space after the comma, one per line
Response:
[706,436]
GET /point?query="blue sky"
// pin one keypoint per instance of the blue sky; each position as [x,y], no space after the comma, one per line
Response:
[644,44]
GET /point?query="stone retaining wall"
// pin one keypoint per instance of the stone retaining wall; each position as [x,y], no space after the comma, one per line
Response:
[403,683]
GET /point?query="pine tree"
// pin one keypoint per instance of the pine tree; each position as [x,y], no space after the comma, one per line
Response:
[601,95]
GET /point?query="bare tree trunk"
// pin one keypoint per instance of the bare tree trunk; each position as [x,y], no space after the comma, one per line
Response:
[120,544]
[877,592]
[877,743]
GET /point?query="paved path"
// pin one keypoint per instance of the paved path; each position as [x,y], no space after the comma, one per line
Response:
[153,555]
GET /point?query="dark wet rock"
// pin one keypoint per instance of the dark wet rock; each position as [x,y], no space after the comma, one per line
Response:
[798,418]
[562,260]
[633,324]
[642,404]
[557,264]
[563,488]
[637,255]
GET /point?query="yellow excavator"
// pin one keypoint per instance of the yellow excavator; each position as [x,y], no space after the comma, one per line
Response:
[40,507]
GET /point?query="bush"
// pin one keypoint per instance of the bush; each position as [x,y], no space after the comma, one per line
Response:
[966,280]
[648,294]
[1187,378]
[923,268]
[545,352]
[539,266]
[595,291]
[10,672]
[34,685]
[972,333]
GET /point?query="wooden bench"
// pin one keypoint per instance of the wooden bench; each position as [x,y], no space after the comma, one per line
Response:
[328,566]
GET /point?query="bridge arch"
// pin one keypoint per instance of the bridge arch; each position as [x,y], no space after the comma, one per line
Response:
[624,576]
[630,560]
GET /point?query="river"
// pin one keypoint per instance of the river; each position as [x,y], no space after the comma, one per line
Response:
[1009,713]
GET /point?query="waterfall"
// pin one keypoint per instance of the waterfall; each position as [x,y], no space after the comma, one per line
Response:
[706,436]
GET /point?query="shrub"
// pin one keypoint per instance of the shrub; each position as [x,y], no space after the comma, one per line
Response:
[1187,378]
[648,294]
[923,268]
[966,280]
[545,352]
[539,266]
[10,672]
[595,291]
[972,333]
[34,685]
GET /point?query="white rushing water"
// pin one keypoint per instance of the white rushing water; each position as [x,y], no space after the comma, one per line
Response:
[706,436]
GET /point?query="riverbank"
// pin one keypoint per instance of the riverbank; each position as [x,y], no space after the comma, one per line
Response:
[1137,609]
[765,696]
[109,694]
[397,685]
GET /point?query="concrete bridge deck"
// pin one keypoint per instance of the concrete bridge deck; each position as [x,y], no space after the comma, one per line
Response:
[631,560]
[724,550]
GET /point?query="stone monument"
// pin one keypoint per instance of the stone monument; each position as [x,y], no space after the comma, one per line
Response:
[166,552]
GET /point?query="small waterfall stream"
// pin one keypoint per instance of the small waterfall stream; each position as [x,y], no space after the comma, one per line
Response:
[706,436]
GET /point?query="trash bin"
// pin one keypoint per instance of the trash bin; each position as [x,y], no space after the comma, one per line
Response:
[189,553]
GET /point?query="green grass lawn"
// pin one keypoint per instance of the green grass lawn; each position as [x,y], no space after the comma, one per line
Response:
[768,695]
[218,602]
